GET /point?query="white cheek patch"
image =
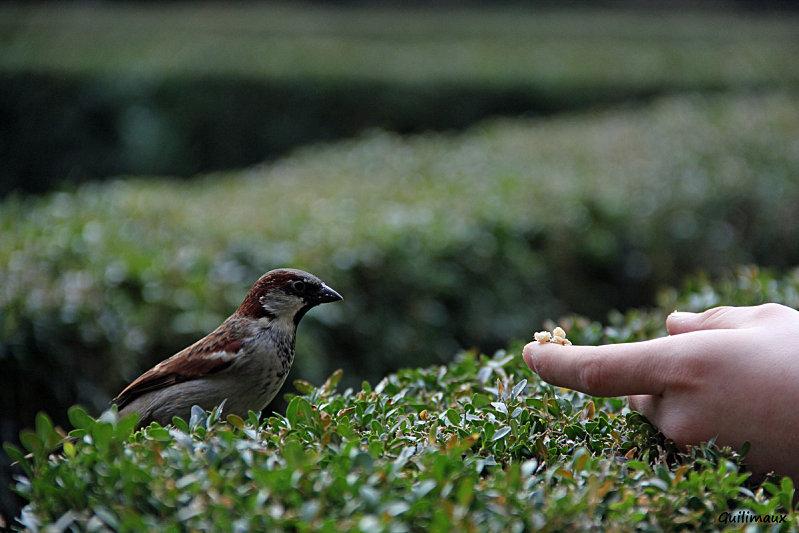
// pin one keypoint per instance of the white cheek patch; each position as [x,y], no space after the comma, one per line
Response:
[280,304]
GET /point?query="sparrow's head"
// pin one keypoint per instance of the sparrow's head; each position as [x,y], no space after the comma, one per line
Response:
[286,293]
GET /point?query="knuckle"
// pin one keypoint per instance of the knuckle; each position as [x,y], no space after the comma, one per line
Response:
[716,313]
[770,309]
[697,362]
[666,365]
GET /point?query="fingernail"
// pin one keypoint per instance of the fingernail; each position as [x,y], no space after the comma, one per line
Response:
[679,315]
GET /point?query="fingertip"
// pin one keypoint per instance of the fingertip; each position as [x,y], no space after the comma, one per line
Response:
[527,355]
[679,322]
[539,356]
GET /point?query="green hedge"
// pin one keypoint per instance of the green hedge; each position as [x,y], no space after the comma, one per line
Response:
[92,91]
[566,47]
[436,242]
[75,127]
[479,444]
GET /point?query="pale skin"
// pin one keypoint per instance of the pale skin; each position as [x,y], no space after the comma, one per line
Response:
[730,373]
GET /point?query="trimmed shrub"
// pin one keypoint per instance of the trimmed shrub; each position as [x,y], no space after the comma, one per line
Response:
[436,242]
[479,444]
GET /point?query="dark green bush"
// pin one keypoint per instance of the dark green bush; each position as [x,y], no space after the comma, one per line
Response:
[436,242]
[477,445]
[78,127]
[90,92]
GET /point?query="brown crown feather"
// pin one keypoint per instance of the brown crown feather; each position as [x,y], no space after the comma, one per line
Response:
[274,279]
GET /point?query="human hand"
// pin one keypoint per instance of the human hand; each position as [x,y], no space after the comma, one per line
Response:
[730,373]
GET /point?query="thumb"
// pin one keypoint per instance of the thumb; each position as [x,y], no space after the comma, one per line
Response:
[647,367]
[724,317]
[716,318]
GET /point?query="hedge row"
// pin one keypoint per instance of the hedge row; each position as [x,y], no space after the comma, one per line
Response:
[436,242]
[479,444]
[93,91]
[72,128]
[566,47]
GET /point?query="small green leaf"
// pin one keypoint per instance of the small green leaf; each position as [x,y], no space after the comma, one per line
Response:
[480,400]
[69,450]
[500,433]
[518,389]
[581,459]
[303,386]
[159,433]
[292,409]
[333,380]
[637,465]
[102,435]
[79,418]
[180,424]
[465,492]
[78,434]
[298,409]
[501,407]
[786,498]
[488,430]
[453,416]
[294,453]
[126,425]
[745,448]
[31,441]
[16,455]
[44,428]
[236,421]
[363,460]
[215,413]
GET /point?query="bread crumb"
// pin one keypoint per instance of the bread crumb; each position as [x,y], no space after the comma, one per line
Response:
[558,336]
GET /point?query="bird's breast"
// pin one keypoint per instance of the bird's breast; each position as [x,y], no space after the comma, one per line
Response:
[268,357]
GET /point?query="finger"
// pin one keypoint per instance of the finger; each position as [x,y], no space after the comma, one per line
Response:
[644,404]
[611,370]
[724,317]
[716,318]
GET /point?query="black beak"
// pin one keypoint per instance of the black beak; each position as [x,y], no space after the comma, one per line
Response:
[326,295]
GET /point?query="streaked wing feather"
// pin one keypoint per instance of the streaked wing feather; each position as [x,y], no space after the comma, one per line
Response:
[191,363]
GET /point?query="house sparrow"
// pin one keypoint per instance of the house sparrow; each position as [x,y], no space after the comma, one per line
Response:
[244,361]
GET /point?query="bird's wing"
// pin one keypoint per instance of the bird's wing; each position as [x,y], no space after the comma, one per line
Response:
[210,355]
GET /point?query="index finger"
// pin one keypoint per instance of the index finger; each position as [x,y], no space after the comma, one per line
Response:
[633,368]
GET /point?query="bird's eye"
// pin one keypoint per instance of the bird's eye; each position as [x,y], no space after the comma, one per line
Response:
[298,286]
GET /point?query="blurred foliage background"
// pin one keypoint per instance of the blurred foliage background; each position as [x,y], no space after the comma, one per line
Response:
[460,175]
[101,89]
